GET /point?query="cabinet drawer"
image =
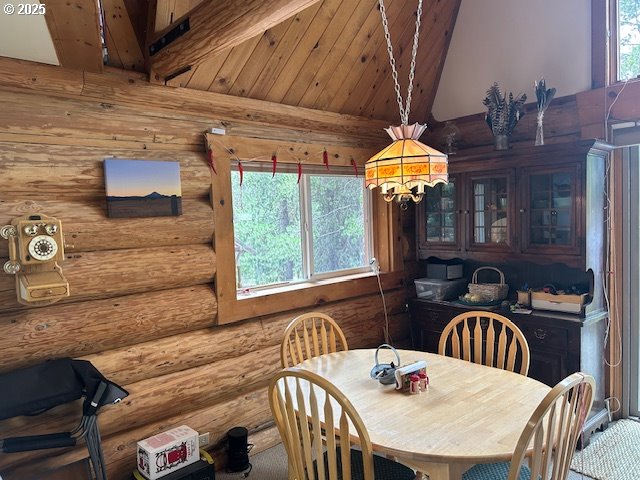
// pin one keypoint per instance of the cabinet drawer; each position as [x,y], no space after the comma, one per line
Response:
[545,336]
[433,318]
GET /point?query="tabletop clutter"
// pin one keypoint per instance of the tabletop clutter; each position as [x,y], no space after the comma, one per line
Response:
[445,282]
[411,378]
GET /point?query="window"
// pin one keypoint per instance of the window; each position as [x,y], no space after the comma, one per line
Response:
[287,232]
[628,34]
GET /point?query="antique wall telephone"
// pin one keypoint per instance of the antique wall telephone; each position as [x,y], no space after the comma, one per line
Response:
[36,246]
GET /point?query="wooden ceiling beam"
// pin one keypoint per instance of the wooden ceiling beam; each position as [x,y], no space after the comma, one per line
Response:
[216,26]
[75,30]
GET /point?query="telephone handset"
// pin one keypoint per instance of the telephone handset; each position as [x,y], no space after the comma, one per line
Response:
[35,246]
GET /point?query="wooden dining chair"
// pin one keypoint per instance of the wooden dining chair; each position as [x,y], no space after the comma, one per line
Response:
[486,338]
[310,335]
[322,450]
[556,422]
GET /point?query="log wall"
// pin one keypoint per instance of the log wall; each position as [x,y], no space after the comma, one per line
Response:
[143,304]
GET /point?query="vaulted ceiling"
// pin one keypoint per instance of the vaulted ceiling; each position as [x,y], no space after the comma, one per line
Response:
[332,56]
[323,54]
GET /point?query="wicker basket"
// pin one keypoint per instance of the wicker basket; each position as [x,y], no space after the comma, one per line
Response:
[490,291]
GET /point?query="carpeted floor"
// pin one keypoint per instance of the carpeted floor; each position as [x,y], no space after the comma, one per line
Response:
[272,465]
[613,455]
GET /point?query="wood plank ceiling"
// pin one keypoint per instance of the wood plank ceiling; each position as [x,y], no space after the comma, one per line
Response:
[331,56]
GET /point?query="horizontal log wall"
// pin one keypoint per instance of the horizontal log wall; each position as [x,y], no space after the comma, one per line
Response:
[143,305]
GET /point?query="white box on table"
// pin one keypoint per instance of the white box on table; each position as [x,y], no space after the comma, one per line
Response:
[167,452]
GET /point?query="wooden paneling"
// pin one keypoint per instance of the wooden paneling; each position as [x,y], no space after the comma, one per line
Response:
[435,35]
[214,27]
[326,55]
[154,104]
[123,47]
[333,56]
[143,305]
[75,30]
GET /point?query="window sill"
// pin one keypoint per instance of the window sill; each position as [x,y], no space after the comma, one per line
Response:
[304,295]
[263,292]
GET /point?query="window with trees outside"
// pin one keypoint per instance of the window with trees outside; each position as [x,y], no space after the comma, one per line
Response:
[628,34]
[287,232]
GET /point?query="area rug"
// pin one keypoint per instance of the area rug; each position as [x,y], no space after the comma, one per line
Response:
[614,455]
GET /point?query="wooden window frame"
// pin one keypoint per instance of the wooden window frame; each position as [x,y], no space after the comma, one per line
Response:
[386,226]
[604,43]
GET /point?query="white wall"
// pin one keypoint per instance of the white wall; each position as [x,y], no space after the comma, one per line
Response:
[514,42]
[25,36]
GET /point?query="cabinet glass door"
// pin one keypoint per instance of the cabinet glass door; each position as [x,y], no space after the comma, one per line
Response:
[440,214]
[489,211]
[551,207]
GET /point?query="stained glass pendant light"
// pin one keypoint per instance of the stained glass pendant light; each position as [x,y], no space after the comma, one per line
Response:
[403,169]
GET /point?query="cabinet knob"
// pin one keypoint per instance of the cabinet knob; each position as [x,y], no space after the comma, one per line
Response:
[522,210]
[540,333]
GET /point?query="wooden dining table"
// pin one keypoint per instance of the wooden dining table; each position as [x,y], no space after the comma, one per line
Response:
[469,414]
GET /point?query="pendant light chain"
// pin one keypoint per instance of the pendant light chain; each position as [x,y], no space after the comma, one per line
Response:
[404,111]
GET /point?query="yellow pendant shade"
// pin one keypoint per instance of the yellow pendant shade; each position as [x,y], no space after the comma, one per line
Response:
[405,165]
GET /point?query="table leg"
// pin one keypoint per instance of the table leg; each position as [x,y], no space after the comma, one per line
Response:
[441,471]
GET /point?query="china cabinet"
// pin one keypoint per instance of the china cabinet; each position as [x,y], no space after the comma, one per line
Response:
[534,203]
[534,211]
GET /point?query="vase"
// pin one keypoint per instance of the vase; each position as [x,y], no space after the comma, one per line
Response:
[501,142]
[539,132]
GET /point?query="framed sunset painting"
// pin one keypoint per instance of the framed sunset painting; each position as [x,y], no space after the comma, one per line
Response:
[142,188]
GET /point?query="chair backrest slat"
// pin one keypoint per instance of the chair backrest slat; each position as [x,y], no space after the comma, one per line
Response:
[477,342]
[305,432]
[466,341]
[490,347]
[315,418]
[502,348]
[310,335]
[306,329]
[547,456]
[511,356]
[314,338]
[455,344]
[506,349]
[317,433]
[345,446]
[563,412]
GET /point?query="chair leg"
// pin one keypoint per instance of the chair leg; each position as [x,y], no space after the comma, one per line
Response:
[291,472]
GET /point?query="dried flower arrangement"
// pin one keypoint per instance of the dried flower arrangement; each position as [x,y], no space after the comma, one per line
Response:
[544,96]
[502,116]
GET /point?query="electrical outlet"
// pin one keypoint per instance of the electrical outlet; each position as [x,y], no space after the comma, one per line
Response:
[203,439]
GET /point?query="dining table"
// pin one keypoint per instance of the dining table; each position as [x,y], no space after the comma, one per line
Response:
[469,413]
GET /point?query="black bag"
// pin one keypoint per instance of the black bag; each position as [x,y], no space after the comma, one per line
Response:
[33,390]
